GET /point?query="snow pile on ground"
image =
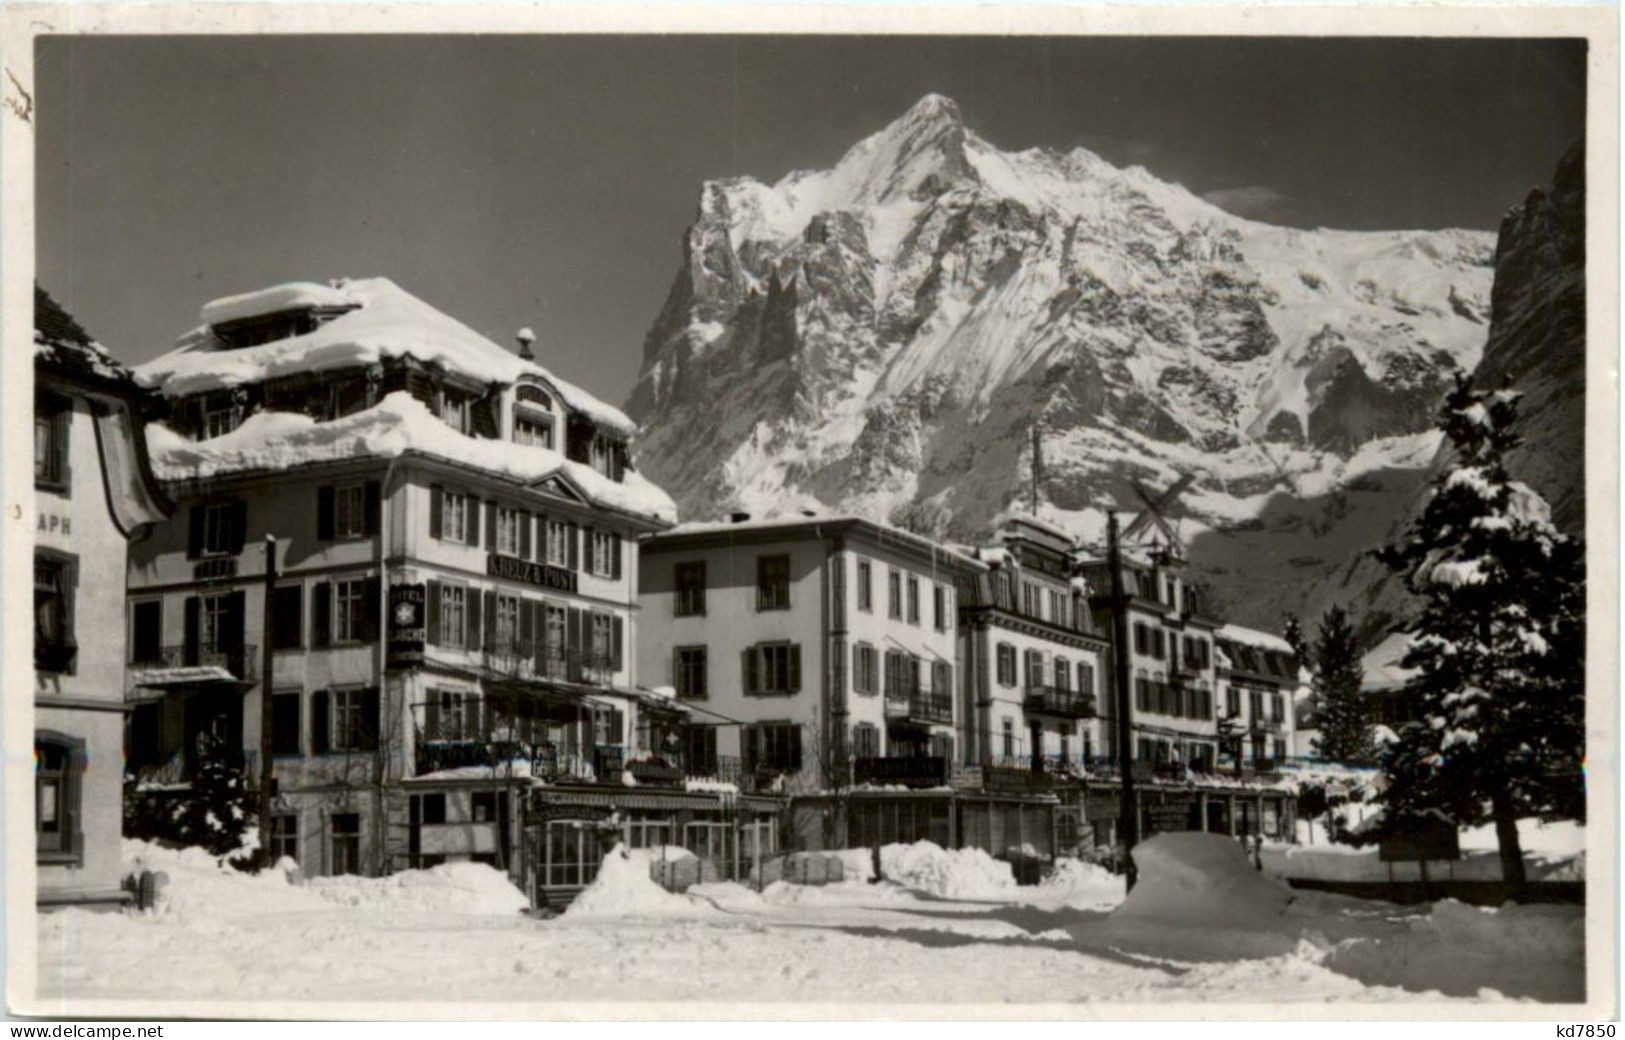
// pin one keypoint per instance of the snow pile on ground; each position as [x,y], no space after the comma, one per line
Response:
[1200,880]
[957,873]
[1079,885]
[200,884]
[624,887]
[1551,852]
[463,887]
[856,864]
[1535,950]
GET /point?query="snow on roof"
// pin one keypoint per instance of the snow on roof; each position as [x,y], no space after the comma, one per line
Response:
[1381,668]
[1253,637]
[397,425]
[792,521]
[288,296]
[387,321]
[62,341]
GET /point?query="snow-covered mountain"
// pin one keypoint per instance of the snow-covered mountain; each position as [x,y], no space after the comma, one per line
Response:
[889,330]
[1536,343]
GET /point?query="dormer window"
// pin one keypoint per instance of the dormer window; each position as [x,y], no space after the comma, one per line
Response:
[268,328]
[221,415]
[528,394]
[532,430]
[454,410]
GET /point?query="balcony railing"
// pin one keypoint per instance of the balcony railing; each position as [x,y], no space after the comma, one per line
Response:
[1059,702]
[179,769]
[532,660]
[732,769]
[1264,724]
[241,661]
[916,771]
[919,707]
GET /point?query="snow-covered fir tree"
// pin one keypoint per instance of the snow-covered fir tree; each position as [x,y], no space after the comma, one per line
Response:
[1498,646]
[1345,728]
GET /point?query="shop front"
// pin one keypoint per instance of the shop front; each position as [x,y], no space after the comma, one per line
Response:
[568,831]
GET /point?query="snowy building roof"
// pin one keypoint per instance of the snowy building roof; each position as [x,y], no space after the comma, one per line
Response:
[1253,637]
[62,343]
[398,425]
[792,523]
[382,320]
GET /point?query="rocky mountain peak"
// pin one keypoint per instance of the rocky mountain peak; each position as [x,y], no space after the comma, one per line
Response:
[883,334]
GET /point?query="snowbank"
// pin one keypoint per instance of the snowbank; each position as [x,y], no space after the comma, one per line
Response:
[1200,880]
[1534,951]
[624,887]
[395,426]
[957,873]
[1079,885]
[462,887]
[1551,852]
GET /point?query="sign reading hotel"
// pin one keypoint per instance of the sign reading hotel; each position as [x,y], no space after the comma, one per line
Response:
[545,575]
[408,625]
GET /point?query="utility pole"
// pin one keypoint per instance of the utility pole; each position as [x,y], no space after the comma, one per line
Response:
[1128,825]
[267,668]
[1038,466]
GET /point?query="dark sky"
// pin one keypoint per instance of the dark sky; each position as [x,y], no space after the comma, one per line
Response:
[547,181]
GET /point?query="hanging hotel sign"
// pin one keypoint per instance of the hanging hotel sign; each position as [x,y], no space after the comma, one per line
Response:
[545,575]
[408,625]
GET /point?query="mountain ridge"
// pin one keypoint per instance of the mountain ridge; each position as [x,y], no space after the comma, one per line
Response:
[883,335]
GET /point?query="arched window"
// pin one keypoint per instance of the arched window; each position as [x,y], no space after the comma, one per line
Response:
[59,765]
[534,395]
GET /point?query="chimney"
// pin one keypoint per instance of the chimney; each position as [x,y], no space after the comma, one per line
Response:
[525,338]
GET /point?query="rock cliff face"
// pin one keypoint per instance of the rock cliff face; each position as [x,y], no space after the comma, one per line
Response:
[1537,344]
[887,332]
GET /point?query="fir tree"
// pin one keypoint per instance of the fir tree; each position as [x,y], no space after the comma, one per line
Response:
[215,814]
[1345,730]
[1292,632]
[1498,646]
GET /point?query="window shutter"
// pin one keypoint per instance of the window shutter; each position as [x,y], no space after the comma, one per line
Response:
[239,526]
[193,608]
[285,735]
[490,614]
[752,740]
[795,667]
[527,625]
[372,723]
[473,520]
[748,670]
[431,612]
[319,742]
[324,513]
[437,505]
[194,533]
[615,557]
[589,551]
[372,591]
[322,614]
[431,717]
[374,501]
[617,726]
[491,526]
[795,748]
[524,535]
[573,539]
[617,647]
[236,608]
[476,623]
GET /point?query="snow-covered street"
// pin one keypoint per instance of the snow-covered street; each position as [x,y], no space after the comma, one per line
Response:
[1198,929]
